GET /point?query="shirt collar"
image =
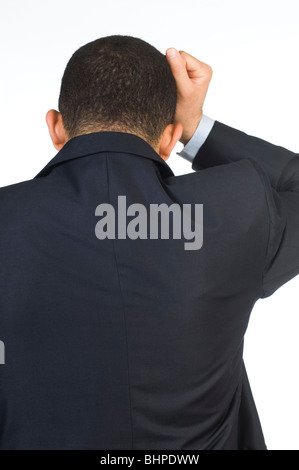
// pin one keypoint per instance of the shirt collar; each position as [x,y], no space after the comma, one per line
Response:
[107,141]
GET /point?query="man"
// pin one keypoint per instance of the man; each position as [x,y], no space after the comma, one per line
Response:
[120,334]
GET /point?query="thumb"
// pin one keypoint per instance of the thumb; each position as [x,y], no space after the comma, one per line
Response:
[178,67]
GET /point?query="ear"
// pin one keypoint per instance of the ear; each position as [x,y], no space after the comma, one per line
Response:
[56,129]
[171,135]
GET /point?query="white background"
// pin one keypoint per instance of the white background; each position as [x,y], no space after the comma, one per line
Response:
[252,47]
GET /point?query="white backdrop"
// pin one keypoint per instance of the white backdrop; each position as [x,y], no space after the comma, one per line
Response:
[252,46]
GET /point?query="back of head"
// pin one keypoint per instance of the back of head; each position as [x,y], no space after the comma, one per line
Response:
[118,83]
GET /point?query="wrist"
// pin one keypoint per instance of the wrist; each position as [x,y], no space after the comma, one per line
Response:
[189,129]
[197,140]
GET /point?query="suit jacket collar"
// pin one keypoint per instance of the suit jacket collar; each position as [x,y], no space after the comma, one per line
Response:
[107,141]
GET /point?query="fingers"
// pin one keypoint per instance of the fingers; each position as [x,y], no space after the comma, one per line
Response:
[177,65]
[195,67]
[185,67]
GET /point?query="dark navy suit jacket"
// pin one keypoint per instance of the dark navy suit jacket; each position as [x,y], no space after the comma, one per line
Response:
[138,344]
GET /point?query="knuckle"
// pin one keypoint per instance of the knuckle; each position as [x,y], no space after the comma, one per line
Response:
[210,70]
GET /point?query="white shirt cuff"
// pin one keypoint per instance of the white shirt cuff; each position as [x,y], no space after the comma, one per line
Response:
[197,140]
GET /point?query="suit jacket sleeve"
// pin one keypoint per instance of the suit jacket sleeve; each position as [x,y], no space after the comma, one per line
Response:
[278,169]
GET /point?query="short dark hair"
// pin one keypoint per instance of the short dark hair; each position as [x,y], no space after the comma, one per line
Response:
[118,82]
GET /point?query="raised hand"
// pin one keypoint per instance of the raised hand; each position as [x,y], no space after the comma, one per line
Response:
[192,80]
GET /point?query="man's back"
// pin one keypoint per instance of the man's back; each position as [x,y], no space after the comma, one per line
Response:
[122,343]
